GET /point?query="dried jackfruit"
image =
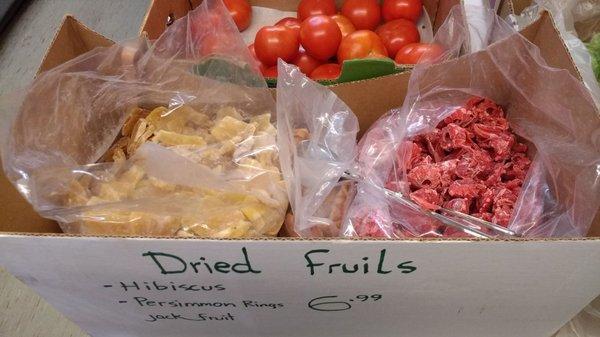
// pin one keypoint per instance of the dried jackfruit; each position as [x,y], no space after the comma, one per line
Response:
[127,199]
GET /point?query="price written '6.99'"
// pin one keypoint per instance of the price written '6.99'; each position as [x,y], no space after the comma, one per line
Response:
[334,303]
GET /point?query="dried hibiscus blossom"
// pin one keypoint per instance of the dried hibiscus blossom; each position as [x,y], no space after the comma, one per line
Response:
[471,162]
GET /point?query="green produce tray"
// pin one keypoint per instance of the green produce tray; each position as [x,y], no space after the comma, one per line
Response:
[359,69]
[352,70]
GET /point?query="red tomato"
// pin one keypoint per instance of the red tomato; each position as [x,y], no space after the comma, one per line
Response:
[402,9]
[273,42]
[320,36]
[419,52]
[261,66]
[327,71]
[270,72]
[308,8]
[306,63]
[364,14]
[397,34]
[291,23]
[240,11]
[346,26]
[361,44]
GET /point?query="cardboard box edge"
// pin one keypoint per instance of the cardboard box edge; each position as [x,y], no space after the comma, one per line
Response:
[65,20]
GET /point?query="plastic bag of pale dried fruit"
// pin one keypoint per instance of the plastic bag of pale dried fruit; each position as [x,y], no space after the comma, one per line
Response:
[170,138]
[317,141]
[493,132]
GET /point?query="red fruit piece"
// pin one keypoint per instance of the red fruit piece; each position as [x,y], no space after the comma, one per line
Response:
[518,167]
[460,116]
[504,197]
[432,142]
[458,204]
[427,198]
[454,137]
[427,175]
[496,176]
[474,162]
[465,188]
[485,106]
[520,147]
[448,168]
[501,216]
[485,201]
[502,145]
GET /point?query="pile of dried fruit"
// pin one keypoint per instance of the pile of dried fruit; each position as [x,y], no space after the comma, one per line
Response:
[471,162]
[244,194]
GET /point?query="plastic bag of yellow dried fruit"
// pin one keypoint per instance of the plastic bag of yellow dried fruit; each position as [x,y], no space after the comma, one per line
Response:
[169,138]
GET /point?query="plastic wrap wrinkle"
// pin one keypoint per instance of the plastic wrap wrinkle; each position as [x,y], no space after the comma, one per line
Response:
[177,140]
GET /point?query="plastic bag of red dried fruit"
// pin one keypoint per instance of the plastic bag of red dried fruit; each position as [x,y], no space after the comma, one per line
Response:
[173,138]
[494,133]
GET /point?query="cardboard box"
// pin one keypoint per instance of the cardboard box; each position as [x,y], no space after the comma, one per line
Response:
[133,286]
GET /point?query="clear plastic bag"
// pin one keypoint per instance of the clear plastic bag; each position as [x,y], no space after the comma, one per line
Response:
[547,108]
[317,142]
[169,138]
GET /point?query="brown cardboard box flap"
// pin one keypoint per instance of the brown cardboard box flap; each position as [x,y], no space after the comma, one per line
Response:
[72,39]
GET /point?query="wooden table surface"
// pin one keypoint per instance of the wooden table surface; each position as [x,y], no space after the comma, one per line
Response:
[22,312]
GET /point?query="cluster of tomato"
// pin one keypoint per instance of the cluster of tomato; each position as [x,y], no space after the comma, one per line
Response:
[320,39]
